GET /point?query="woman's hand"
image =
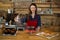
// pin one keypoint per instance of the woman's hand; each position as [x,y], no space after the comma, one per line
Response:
[38,29]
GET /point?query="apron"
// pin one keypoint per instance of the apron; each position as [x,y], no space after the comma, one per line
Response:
[31,25]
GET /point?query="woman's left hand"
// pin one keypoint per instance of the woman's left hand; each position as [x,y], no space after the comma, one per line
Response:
[38,29]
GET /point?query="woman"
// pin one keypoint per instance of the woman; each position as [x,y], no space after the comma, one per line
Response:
[33,20]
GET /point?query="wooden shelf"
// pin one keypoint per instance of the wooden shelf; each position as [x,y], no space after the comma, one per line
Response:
[43,6]
[56,11]
[46,14]
[21,9]
[42,3]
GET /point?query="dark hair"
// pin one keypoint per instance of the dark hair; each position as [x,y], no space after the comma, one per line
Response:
[30,9]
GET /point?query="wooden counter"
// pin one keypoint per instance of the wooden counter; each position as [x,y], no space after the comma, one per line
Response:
[24,36]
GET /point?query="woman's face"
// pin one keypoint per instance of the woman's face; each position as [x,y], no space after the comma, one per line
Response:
[33,8]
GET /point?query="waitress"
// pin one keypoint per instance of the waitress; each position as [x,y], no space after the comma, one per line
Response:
[33,20]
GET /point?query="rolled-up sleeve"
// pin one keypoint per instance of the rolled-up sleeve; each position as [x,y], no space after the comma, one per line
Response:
[39,21]
[25,19]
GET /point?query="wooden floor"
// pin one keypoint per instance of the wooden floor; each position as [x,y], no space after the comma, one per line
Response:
[21,35]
